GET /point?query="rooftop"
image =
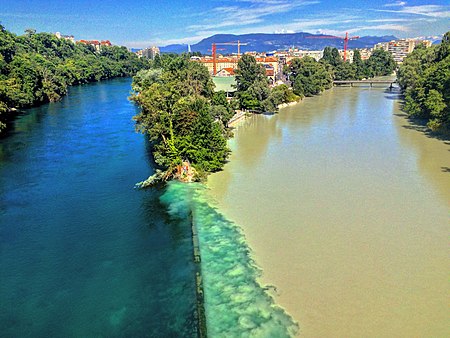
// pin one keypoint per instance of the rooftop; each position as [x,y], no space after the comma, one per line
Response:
[224,83]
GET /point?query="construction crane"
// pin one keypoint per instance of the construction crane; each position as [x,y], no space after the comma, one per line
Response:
[346,39]
[214,50]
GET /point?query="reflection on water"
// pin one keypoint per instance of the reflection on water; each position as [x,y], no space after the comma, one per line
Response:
[347,213]
[433,161]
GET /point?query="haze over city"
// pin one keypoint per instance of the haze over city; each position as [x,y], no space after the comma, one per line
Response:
[141,23]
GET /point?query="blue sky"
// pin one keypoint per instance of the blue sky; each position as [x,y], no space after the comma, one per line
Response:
[140,23]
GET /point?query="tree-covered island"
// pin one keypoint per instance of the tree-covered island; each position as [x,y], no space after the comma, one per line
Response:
[183,118]
[37,68]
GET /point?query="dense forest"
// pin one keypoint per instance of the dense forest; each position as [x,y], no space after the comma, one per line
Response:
[185,120]
[36,68]
[424,78]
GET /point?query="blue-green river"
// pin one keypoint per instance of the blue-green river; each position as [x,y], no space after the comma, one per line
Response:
[84,254]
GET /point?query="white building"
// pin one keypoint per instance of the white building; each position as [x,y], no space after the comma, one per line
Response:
[65,37]
[401,48]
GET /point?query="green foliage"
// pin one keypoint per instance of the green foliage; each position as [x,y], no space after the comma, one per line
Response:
[37,68]
[345,71]
[331,56]
[309,76]
[145,78]
[3,110]
[359,65]
[221,109]
[424,77]
[252,85]
[380,63]
[283,94]
[183,117]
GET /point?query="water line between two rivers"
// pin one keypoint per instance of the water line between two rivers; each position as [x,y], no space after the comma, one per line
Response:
[236,305]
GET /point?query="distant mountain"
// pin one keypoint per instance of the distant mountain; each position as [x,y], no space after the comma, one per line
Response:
[177,48]
[261,42]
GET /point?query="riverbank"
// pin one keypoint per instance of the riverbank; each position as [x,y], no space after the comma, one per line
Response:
[331,199]
[240,115]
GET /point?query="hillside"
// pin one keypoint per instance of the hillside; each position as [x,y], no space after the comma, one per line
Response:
[261,42]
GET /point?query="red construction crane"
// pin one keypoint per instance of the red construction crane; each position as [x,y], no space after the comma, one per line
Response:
[346,39]
[214,49]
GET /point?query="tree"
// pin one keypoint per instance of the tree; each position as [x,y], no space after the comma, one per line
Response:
[182,116]
[220,108]
[36,68]
[331,56]
[345,71]
[424,77]
[30,31]
[252,84]
[359,65]
[309,76]
[380,63]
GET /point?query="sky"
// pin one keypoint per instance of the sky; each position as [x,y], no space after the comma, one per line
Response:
[142,23]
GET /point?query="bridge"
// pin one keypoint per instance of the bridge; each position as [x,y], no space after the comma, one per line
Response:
[365,82]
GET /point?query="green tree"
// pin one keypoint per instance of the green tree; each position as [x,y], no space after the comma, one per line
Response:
[345,71]
[182,116]
[221,109]
[309,76]
[359,65]
[36,68]
[380,63]
[252,84]
[331,56]
[424,77]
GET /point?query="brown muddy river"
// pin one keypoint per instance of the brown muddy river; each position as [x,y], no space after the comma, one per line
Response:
[346,207]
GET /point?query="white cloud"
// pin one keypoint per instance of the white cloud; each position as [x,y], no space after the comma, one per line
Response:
[238,16]
[435,11]
[386,27]
[390,20]
[396,4]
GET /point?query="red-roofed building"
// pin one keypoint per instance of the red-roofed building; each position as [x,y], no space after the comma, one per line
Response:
[226,72]
[97,44]
[228,64]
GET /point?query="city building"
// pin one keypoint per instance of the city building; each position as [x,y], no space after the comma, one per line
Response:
[95,43]
[149,52]
[365,53]
[401,48]
[225,72]
[349,56]
[65,37]
[223,63]
[225,83]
